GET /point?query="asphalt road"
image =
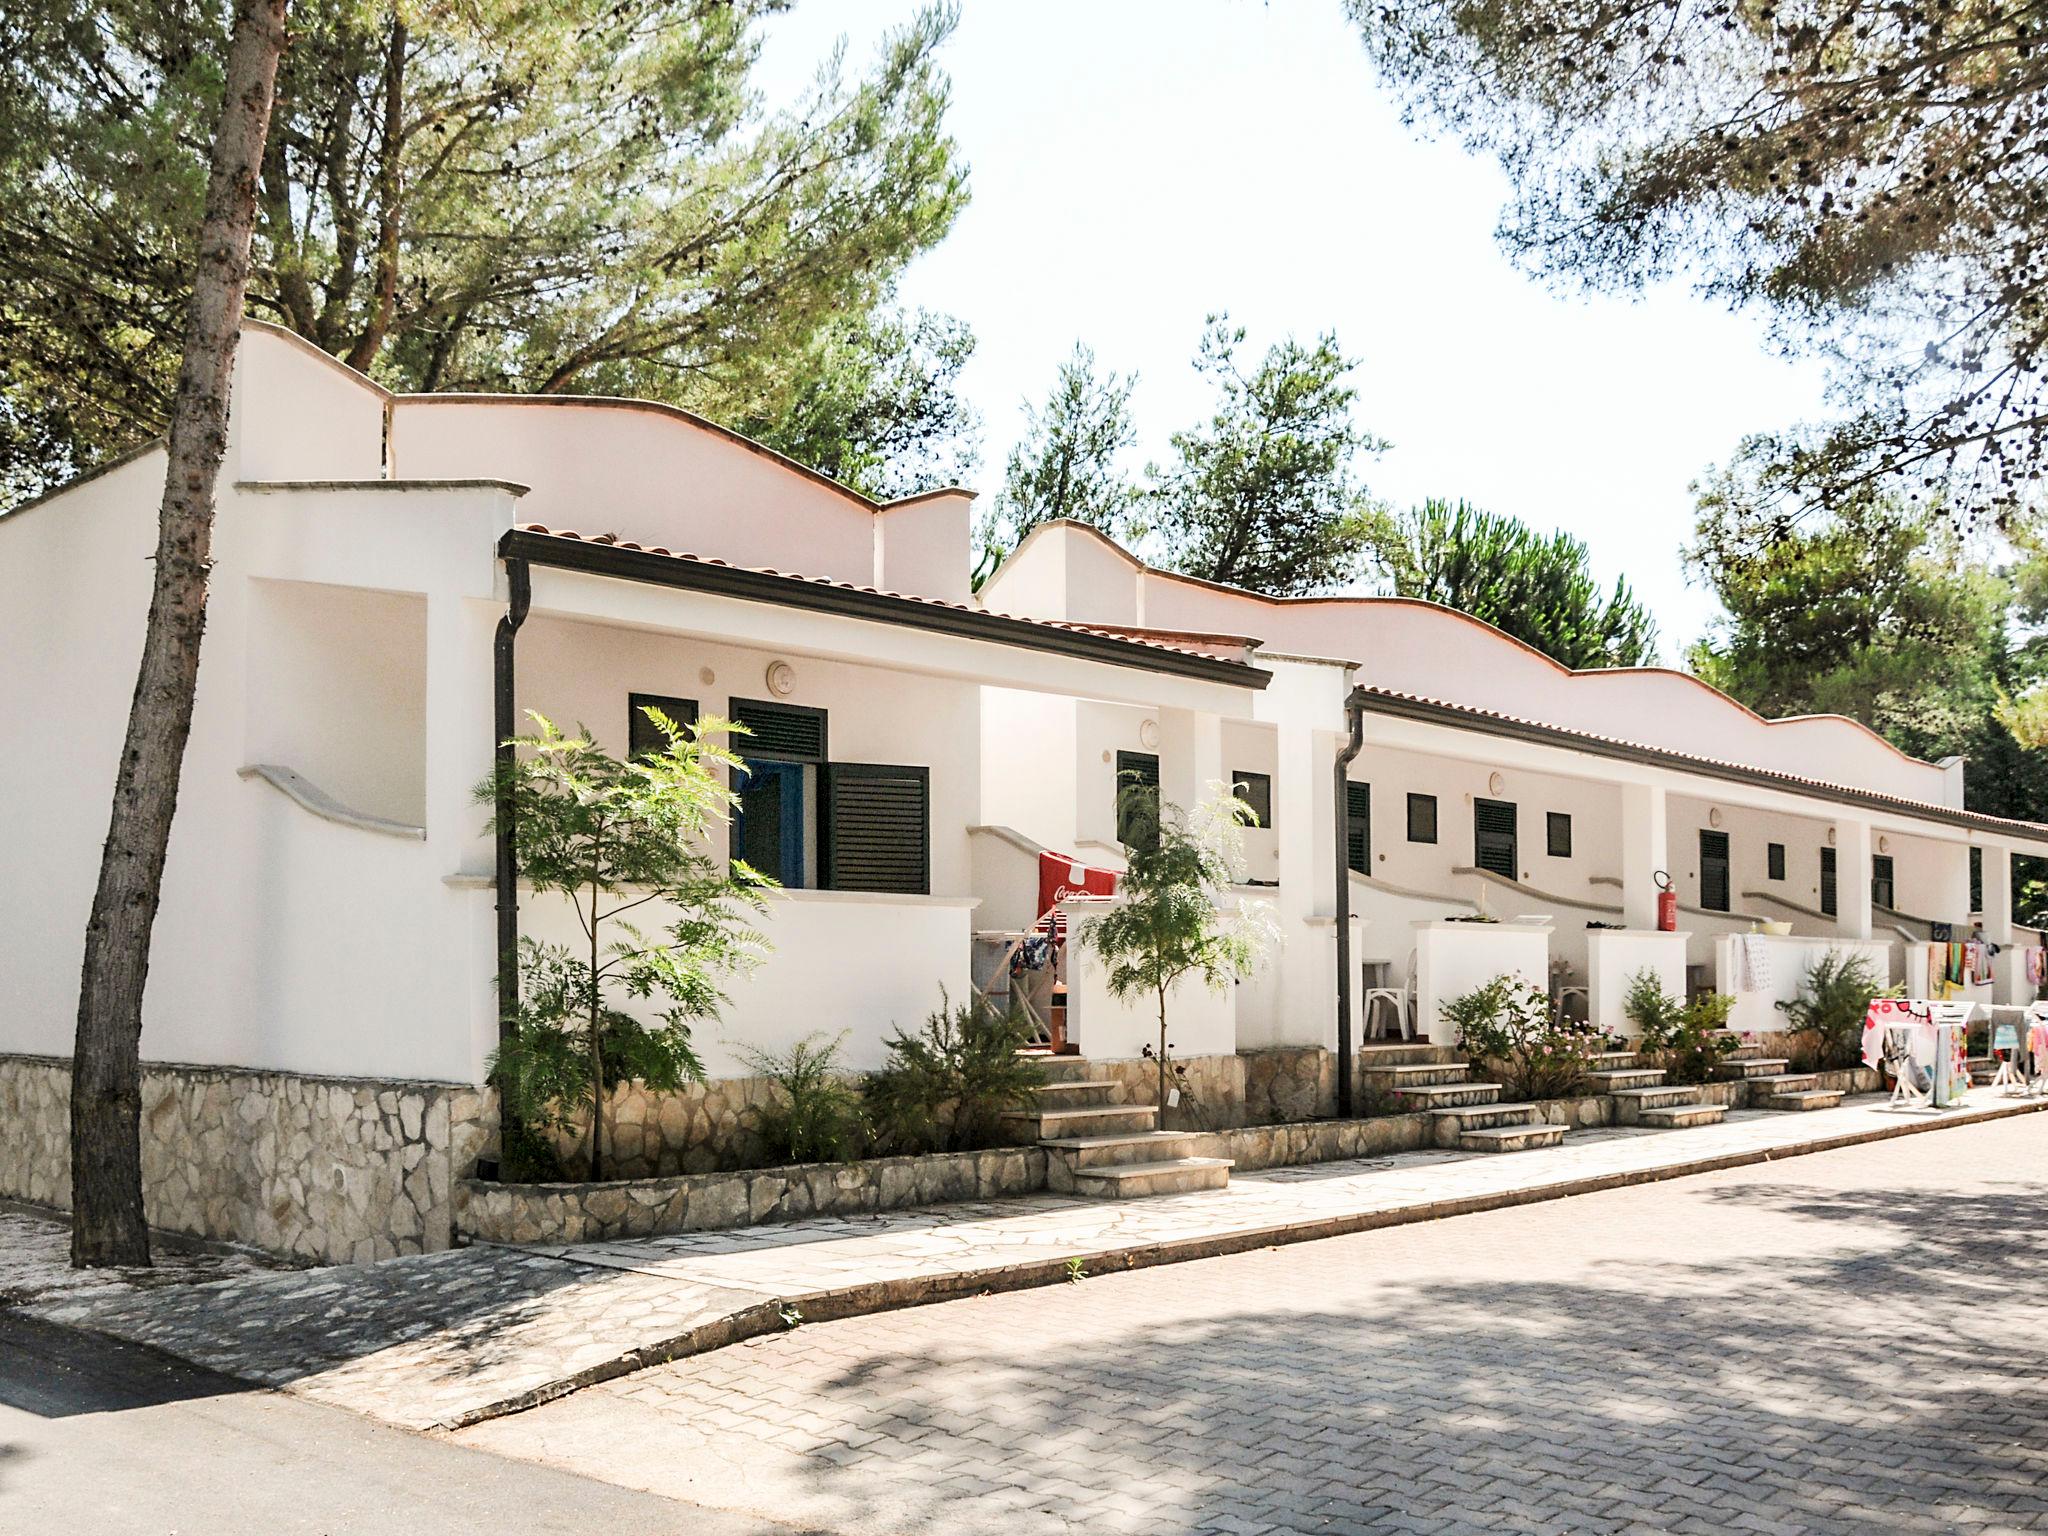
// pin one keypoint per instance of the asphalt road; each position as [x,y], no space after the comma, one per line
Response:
[1848,1342]
[109,1439]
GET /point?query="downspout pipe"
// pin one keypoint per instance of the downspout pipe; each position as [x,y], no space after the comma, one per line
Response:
[1354,721]
[505,725]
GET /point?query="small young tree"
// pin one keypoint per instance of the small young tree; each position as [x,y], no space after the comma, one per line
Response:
[1176,916]
[614,836]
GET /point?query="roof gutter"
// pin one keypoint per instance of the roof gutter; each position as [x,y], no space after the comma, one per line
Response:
[659,570]
[1451,715]
[1354,720]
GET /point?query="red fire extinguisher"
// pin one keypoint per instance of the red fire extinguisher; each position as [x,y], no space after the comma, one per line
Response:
[1667,904]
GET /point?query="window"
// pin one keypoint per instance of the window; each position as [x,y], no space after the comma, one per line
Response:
[1881,886]
[1558,835]
[1422,818]
[1493,838]
[1976,879]
[641,736]
[788,732]
[1714,870]
[1358,827]
[1256,791]
[1774,860]
[1137,799]
[774,826]
[1827,881]
[877,821]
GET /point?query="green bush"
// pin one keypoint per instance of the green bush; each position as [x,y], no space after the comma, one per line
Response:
[1508,1028]
[1686,1039]
[945,1088]
[1827,1015]
[815,1116]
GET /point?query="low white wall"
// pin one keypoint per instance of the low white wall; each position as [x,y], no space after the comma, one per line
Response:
[1615,956]
[1453,958]
[839,960]
[1200,1021]
[1790,958]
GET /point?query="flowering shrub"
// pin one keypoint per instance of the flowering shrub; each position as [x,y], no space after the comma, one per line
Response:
[1687,1039]
[1509,1029]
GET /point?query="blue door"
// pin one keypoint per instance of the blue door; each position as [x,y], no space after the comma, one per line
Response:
[768,826]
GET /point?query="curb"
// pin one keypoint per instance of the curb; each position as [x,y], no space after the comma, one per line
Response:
[892,1295]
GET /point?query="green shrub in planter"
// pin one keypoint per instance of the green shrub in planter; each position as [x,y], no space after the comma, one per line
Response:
[1685,1038]
[1827,1015]
[1508,1028]
[945,1088]
[815,1114]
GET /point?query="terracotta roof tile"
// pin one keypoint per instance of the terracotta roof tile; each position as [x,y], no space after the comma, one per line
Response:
[2032,830]
[1106,632]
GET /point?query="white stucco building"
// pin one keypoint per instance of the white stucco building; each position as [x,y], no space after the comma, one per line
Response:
[330,917]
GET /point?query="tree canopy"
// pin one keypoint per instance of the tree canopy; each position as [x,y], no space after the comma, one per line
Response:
[1265,494]
[583,197]
[1871,612]
[1069,463]
[874,402]
[1870,173]
[1538,588]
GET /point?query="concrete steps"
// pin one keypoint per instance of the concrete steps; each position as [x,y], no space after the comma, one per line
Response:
[1451,1124]
[1078,1093]
[1135,1147]
[1451,1095]
[1402,1053]
[1625,1077]
[1678,1117]
[1109,1151]
[1809,1098]
[1511,1138]
[1739,1068]
[1640,1096]
[1178,1176]
[1401,1076]
[1089,1120]
[1779,1083]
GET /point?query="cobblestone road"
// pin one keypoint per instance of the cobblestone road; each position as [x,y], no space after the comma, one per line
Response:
[1851,1341]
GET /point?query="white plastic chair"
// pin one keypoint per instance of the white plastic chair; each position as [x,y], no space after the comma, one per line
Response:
[1401,999]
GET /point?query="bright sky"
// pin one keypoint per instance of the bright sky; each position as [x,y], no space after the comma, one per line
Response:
[1139,163]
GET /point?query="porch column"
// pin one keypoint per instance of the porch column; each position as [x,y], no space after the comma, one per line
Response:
[1852,878]
[1305,705]
[1644,850]
[459,739]
[1998,893]
[1190,757]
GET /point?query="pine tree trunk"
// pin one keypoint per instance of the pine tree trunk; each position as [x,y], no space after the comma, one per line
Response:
[106,1072]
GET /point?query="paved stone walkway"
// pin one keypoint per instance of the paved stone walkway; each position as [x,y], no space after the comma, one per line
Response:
[453,1338]
[1846,1343]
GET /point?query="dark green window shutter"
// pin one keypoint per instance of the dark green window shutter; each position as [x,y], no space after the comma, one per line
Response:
[790,733]
[1422,818]
[1714,871]
[1827,881]
[1256,791]
[1137,815]
[1558,830]
[1493,838]
[877,828]
[1882,886]
[1774,860]
[1358,827]
[1976,879]
[641,735]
